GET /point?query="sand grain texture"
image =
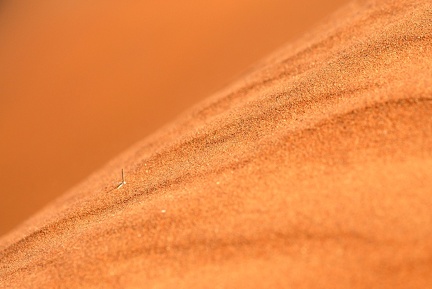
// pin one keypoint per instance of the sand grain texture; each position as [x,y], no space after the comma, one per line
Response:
[312,171]
[81,81]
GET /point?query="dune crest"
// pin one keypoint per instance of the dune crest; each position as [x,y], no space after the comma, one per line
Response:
[312,171]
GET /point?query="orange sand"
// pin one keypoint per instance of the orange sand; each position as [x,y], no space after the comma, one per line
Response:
[80,81]
[312,171]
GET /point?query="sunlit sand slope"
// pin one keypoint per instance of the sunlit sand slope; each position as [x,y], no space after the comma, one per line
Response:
[312,171]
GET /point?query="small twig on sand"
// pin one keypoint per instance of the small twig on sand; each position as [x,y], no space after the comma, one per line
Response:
[123,182]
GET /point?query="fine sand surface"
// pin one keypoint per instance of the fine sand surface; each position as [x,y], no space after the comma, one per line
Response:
[80,81]
[311,171]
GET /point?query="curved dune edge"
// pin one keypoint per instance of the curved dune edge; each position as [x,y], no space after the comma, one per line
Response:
[311,171]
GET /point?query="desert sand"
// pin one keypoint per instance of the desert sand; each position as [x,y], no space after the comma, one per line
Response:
[313,170]
[82,81]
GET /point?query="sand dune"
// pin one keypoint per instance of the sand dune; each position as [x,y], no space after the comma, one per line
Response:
[81,81]
[311,171]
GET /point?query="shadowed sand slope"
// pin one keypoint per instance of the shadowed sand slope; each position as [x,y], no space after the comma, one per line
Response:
[312,171]
[82,80]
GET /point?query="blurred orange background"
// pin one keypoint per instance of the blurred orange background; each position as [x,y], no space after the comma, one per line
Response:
[80,81]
